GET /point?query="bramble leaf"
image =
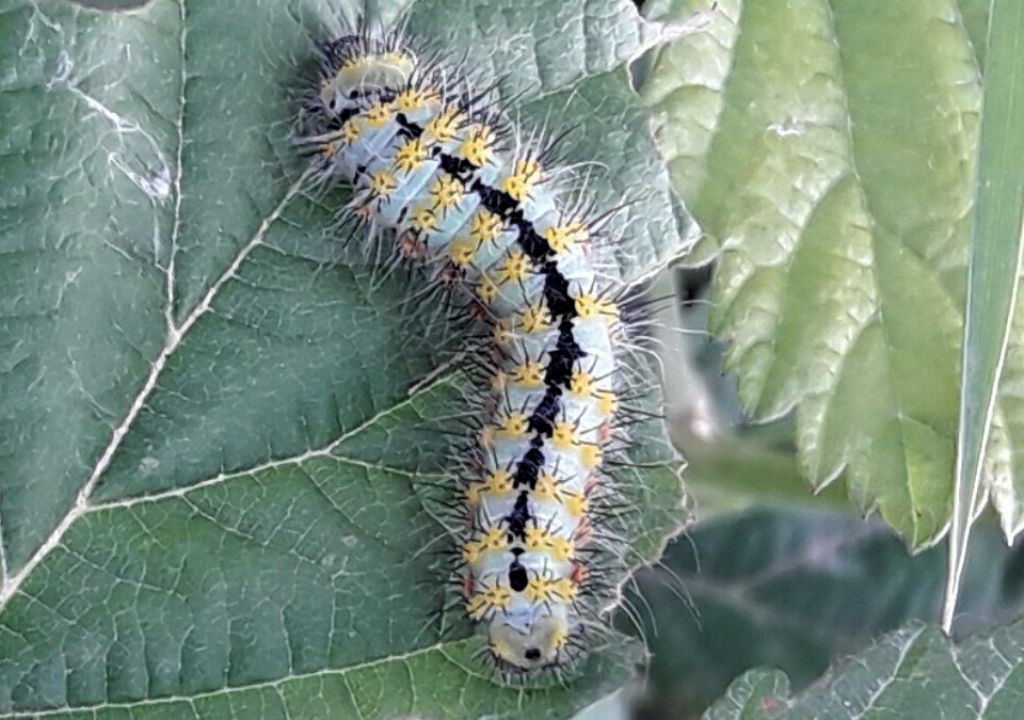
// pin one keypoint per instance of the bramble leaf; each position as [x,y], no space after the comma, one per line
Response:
[216,426]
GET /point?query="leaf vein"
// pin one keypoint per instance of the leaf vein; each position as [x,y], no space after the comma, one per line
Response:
[82,503]
[272,684]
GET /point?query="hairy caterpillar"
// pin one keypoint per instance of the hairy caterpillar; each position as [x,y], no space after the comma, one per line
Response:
[428,157]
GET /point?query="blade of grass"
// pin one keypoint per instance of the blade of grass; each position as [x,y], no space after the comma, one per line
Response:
[993,272]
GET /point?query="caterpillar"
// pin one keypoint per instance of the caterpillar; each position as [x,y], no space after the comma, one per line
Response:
[432,160]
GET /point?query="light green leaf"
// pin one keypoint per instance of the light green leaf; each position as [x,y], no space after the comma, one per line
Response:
[827,147]
[730,465]
[975,19]
[912,674]
[992,286]
[219,441]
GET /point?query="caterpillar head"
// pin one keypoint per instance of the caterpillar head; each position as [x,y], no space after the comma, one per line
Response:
[530,637]
[358,67]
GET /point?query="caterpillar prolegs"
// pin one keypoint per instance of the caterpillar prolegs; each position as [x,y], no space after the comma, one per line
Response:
[430,158]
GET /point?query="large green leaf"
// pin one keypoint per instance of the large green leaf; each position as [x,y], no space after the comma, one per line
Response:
[218,444]
[912,674]
[827,146]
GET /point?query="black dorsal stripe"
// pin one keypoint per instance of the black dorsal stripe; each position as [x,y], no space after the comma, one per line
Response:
[528,468]
[559,302]
[520,516]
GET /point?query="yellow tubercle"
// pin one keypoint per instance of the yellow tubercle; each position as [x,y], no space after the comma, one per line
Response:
[471,552]
[536,318]
[536,539]
[576,505]
[607,402]
[590,456]
[546,489]
[561,548]
[513,426]
[476,607]
[424,219]
[413,99]
[586,306]
[485,227]
[445,127]
[351,131]
[515,269]
[446,192]
[561,238]
[503,331]
[559,638]
[540,540]
[479,145]
[486,290]
[581,384]
[530,375]
[499,596]
[540,589]
[330,148]
[515,187]
[566,589]
[494,540]
[608,310]
[525,175]
[499,482]
[379,114]
[564,437]
[411,155]
[491,599]
[462,252]
[383,183]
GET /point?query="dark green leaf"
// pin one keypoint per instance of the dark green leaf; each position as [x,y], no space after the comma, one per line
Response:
[217,440]
[913,674]
[797,590]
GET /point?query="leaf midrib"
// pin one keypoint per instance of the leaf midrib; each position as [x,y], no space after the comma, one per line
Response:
[179,127]
[862,195]
[896,387]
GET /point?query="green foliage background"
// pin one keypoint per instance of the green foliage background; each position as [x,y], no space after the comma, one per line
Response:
[219,430]
[829,149]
